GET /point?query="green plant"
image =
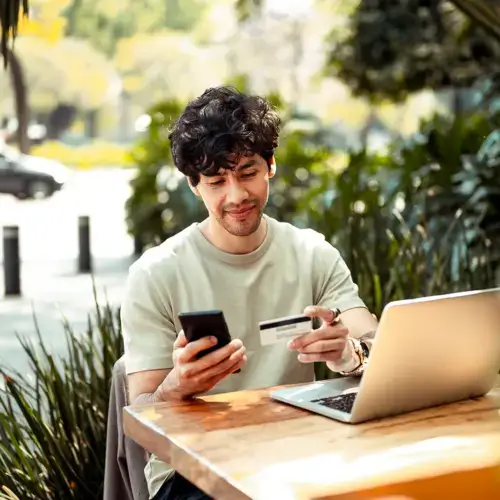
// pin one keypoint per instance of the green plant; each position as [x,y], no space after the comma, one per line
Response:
[161,203]
[53,424]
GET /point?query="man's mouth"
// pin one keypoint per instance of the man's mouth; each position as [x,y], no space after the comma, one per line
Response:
[241,214]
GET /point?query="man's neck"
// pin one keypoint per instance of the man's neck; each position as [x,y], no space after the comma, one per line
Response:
[229,243]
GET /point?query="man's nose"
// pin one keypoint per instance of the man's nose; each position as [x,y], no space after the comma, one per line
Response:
[237,194]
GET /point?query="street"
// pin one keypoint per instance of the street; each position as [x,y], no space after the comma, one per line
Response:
[51,286]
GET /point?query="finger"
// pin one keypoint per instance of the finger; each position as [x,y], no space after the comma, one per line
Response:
[229,364]
[222,375]
[326,333]
[326,314]
[181,340]
[220,355]
[324,356]
[213,358]
[324,346]
[192,349]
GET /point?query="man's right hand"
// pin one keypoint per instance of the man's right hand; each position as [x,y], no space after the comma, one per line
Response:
[191,376]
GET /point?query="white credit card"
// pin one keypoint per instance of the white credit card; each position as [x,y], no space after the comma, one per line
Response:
[287,328]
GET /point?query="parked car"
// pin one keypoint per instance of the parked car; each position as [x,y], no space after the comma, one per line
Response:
[30,177]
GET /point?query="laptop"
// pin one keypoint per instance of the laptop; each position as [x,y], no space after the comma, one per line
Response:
[428,352]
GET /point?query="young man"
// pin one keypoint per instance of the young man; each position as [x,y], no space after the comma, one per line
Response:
[249,265]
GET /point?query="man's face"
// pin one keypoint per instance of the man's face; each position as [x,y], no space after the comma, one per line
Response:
[237,198]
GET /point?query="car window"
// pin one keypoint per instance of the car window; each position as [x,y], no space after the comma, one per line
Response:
[5,163]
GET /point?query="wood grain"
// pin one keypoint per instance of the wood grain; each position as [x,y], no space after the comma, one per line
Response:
[243,445]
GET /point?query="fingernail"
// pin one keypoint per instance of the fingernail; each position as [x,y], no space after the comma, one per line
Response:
[213,340]
[237,343]
[291,344]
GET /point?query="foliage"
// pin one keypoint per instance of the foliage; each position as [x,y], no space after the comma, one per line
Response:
[94,154]
[9,22]
[397,48]
[105,22]
[435,184]
[486,13]
[69,72]
[247,8]
[161,203]
[160,66]
[53,426]
[45,20]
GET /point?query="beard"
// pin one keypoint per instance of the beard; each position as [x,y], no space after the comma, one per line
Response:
[244,227]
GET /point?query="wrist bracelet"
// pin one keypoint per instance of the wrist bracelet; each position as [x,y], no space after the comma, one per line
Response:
[360,368]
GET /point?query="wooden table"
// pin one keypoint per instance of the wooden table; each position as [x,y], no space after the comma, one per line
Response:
[244,445]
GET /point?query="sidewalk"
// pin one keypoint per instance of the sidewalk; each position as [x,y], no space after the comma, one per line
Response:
[50,284]
[53,292]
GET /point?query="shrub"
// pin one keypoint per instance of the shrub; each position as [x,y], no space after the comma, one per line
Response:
[53,424]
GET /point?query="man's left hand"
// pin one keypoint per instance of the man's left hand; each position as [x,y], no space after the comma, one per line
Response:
[328,343]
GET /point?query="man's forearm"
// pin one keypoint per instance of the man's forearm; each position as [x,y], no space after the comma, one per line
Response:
[145,399]
[166,391]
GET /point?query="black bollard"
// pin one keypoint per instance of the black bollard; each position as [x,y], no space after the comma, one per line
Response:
[11,261]
[84,254]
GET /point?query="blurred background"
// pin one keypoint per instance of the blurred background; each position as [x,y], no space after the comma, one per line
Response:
[390,147]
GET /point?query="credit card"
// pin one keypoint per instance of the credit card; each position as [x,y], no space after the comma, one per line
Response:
[286,328]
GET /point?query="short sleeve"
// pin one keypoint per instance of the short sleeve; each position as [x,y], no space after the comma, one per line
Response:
[334,287]
[147,328]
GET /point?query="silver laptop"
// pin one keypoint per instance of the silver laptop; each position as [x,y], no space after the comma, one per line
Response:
[428,351]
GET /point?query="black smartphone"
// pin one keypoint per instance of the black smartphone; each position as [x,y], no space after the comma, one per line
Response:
[200,324]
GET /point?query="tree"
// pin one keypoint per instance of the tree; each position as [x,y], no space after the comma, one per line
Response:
[63,78]
[45,22]
[105,22]
[395,48]
[165,66]
[9,23]
[485,12]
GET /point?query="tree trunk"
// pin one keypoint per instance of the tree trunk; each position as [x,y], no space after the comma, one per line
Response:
[21,101]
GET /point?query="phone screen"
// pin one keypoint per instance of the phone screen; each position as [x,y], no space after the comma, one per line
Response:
[199,324]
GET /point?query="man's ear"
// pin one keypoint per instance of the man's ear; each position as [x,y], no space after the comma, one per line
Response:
[272,167]
[194,189]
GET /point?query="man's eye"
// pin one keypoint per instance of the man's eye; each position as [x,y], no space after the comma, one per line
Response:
[217,183]
[249,174]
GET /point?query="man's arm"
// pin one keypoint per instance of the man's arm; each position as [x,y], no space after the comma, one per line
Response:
[143,387]
[360,323]
[148,334]
[160,364]
[336,289]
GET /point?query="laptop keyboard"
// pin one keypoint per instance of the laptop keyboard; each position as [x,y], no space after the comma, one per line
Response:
[343,402]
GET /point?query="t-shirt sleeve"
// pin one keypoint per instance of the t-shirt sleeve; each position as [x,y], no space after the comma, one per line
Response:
[147,328]
[334,286]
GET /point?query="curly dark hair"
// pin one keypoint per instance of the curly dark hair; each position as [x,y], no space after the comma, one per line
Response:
[220,126]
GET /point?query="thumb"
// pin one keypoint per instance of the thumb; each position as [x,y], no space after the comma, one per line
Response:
[181,340]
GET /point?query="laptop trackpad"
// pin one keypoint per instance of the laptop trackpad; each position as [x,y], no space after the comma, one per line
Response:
[323,389]
[338,386]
